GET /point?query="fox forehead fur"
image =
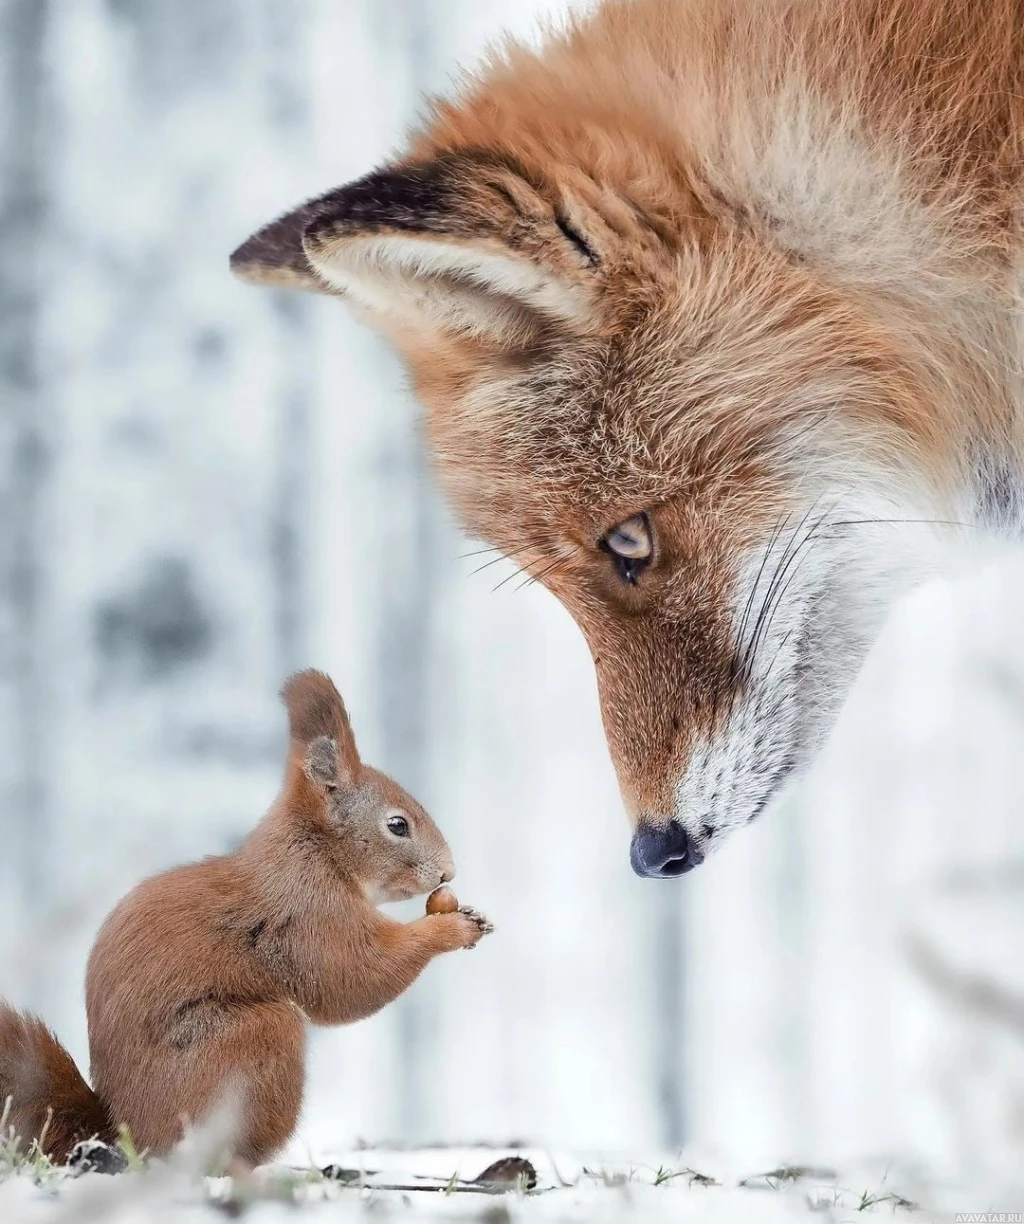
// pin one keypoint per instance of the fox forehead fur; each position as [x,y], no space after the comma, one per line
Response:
[751,268]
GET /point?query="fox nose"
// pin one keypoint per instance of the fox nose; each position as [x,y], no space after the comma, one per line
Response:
[662,852]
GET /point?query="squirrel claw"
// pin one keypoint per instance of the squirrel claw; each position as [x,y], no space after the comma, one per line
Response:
[486,927]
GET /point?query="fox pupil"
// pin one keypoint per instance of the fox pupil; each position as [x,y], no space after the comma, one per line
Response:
[628,569]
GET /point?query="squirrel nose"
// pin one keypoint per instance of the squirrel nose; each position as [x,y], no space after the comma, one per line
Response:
[448,876]
[662,852]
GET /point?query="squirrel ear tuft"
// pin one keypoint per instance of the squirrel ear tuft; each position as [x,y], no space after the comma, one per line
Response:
[316,711]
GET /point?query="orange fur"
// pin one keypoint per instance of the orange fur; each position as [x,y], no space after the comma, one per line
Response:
[722,262]
[201,980]
[48,1096]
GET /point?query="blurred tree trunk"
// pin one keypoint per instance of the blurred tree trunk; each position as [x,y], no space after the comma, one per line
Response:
[173,565]
[23,460]
[411,579]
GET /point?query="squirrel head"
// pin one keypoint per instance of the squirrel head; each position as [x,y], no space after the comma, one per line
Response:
[383,836]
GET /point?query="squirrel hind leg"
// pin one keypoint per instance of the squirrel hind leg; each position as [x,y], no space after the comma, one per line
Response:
[273,1096]
[245,1072]
[272,1115]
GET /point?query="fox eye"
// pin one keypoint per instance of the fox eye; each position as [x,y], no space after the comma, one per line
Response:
[398,825]
[630,547]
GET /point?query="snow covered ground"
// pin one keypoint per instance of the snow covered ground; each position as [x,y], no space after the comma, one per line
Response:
[427,1184]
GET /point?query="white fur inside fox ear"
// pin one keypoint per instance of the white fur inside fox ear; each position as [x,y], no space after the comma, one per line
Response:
[463,242]
[436,283]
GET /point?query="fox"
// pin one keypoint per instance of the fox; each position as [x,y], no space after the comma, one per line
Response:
[716,312]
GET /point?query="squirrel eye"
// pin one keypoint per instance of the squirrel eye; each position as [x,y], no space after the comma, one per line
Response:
[398,825]
[630,546]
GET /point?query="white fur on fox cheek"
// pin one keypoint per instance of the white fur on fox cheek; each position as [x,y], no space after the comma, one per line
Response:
[839,570]
[728,776]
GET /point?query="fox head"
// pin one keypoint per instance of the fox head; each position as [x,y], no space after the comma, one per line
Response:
[643,386]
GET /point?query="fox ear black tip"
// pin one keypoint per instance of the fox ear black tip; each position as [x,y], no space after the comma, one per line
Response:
[274,256]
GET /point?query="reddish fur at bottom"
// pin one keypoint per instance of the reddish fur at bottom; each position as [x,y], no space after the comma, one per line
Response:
[48,1098]
[200,982]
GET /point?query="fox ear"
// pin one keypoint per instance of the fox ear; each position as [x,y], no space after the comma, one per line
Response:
[274,255]
[462,244]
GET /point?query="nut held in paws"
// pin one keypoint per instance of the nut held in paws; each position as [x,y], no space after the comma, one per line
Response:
[442,901]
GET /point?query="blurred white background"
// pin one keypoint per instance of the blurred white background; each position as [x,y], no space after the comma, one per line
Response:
[205,486]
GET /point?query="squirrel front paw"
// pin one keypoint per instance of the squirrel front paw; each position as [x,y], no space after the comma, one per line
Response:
[466,927]
[477,925]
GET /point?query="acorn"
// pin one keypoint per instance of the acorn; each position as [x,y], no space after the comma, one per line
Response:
[442,901]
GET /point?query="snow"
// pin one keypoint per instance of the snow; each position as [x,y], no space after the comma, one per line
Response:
[569,1189]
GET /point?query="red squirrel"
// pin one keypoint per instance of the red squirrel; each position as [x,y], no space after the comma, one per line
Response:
[202,979]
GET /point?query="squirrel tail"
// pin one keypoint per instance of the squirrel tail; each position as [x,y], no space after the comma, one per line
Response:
[42,1093]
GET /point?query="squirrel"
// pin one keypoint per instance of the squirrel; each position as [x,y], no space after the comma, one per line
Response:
[202,979]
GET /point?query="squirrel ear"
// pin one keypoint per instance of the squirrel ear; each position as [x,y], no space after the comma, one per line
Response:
[323,764]
[315,710]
